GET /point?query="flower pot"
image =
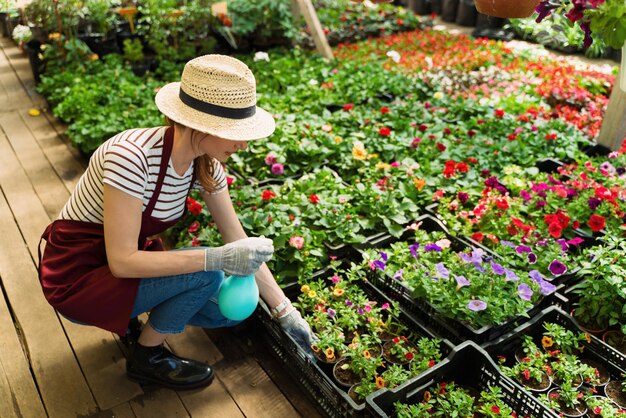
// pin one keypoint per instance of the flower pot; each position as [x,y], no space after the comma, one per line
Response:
[3,28]
[613,391]
[615,339]
[506,8]
[589,329]
[355,396]
[590,411]
[448,10]
[435,6]
[420,7]
[466,13]
[343,375]
[579,411]
[603,373]
[391,358]
[33,49]
[537,387]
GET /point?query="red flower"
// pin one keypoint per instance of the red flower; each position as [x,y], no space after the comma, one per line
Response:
[555,229]
[431,363]
[499,113]
[478,236]
[193,227]
[563,219]
[511,230]
[269,219]
[441,147]
[423,127]
[447,131]
[502,203]
[314,199]
[575,224]
[230,180]
[512,137]
[551,136]
[462,167]
[348,106]
[409,356]
[495,409]
[471,133]
[193,206]
[596,223]
[526,374]
[472,160]
[267,195]
[597,410]
[384,131]
[384,109]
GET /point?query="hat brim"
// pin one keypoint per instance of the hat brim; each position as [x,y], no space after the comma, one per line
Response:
[261,125]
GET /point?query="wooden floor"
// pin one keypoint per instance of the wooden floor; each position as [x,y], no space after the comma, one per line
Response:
[50,367]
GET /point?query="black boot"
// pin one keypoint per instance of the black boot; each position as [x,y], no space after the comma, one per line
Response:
[159,366]
[132,333]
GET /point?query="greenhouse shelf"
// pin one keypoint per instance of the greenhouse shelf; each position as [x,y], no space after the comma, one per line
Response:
[469,366]
[316,382]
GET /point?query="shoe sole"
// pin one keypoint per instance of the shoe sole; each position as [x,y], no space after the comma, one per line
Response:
[142,380]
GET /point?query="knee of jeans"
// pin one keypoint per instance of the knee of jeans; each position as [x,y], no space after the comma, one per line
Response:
[210,281]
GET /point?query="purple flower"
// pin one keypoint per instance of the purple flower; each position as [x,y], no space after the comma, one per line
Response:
[383,255]
[413,248]
[524,291]
[575,241]
[348,302]
[523,249]
[607,167]
[532,258]
[360,311]
[491,182]
[507,243]
[277,169]
[572,193]
[525,195]
[461,281]
[540,203]
[379,264]
[331,312]
[510,275]
[398,275]
[463,197]
[442,270]
[593,203]
[557,268]
[477,305]
[432,247]
[497,268]
[564,245]
[545,287]
[335,279]
[535,275]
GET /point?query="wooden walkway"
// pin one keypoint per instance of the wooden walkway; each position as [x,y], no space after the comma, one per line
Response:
[50,367]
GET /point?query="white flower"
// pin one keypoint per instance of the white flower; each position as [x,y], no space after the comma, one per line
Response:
[394,55]
[313,82]
[429,61]
[261,56]
[21,33]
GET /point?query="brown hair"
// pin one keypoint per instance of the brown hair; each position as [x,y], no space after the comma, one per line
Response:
[203,166]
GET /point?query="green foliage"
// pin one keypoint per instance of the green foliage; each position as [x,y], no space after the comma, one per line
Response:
[608,20]
[133,50]
[263,18]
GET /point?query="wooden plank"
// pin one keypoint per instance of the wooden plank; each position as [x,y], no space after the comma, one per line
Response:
[59,378]
[120,411]
[158,403]
[18,394]
[213,400]
[51,191]
[62,158]
[103,364]
[613,130]
[312,21]
[20,64]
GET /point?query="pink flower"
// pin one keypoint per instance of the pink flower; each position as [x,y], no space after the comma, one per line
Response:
[296,241]
[270,159]
[230,180]
[277,169]
[335,279]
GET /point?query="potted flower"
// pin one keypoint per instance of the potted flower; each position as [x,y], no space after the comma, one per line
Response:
[446,399]
[329,345]
[568,368]
[566,399]
[357,363]
[530,372]
[558,339]
[399,350]
[601,407]
[616,391]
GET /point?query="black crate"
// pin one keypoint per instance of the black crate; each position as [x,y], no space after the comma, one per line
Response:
[317,383]
[595,349]
[427,314]
[470,366]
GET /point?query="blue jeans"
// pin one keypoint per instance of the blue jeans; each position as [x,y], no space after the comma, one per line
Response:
[180,300]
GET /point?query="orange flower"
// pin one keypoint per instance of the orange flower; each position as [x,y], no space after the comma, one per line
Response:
[419,183]
[367,354]
[330,353]
[338,291]
[547,342]
[588,338]
[380,382]
[315,348]
[427,396]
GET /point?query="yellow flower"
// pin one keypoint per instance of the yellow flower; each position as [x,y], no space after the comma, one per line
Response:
[330,353]
[438,95]
[358,151]
[93,57]
[547,342]
[338,140]
[34,112]
[315,348]
[54,36]
[367,354]
[382,166]
[312,294]
[322,301]
[419,183]
[305,289]
[338,291]
[374,155]
[380,382]
[427,396]
[588,338]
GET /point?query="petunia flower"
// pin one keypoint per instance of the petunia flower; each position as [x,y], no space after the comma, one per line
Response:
[546,288]
[524,291]
[379,264]
[432,247]
[413,248]
[510,275]
[277,169]
[461,281]
[497,268]
[398,274]
[383,255]
[557,268]
[532,258]
[331,312]
[523,249]
[477,305]
[442,270]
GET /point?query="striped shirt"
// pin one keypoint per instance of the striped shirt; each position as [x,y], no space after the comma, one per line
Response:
[130,162]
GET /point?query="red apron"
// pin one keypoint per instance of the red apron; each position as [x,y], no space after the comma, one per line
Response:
[74,271]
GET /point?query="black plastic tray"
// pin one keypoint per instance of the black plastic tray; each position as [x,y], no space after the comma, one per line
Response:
[470,366]
[424,312]
[596,349]
[332,400]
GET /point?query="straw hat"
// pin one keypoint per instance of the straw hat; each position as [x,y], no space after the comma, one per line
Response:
[216,95]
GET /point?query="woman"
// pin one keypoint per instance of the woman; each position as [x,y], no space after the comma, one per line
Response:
[100,266]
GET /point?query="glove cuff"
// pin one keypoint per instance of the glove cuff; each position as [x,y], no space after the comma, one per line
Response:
[278,308]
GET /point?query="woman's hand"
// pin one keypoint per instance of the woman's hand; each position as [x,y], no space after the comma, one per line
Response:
[239,258]
[293,324]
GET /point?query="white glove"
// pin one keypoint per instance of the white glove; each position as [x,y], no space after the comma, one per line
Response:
[293,324]
[239,258]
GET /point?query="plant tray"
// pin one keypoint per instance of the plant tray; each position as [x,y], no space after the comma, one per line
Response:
[470,366]
[424,312]
[596,349]
[316,382]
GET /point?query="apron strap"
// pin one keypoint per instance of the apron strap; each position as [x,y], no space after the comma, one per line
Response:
[168,142]
[44,236]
